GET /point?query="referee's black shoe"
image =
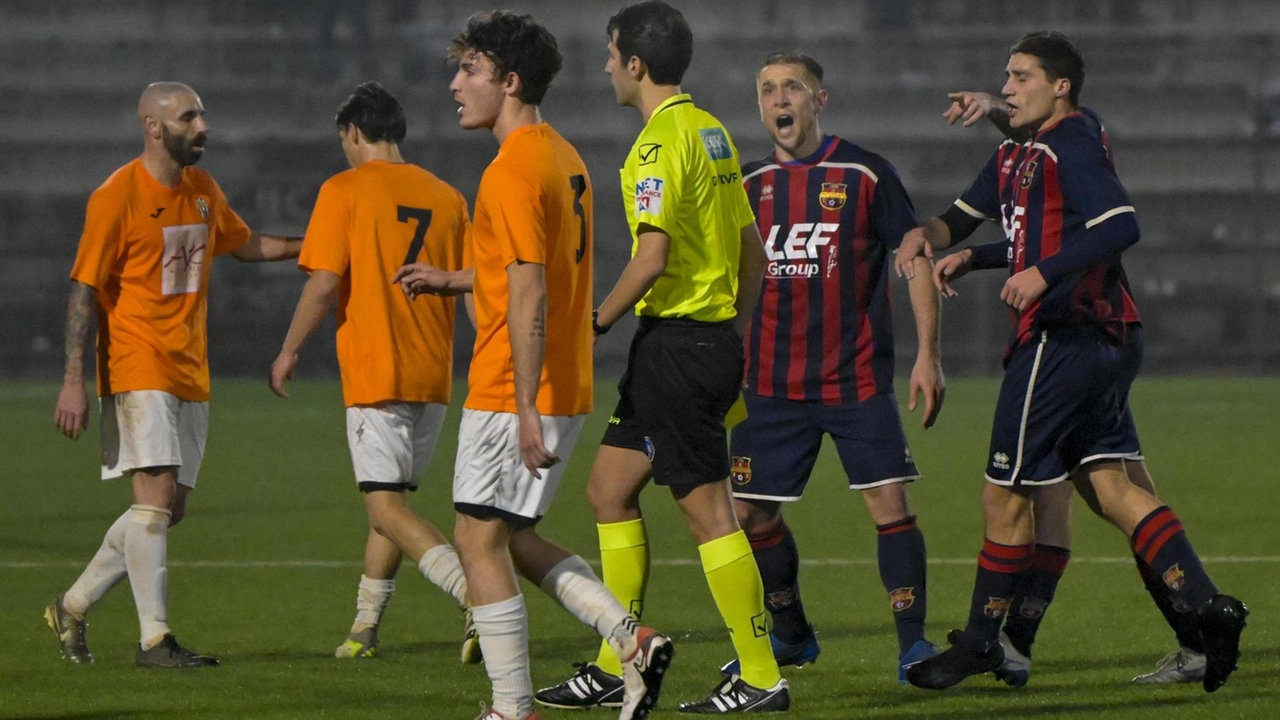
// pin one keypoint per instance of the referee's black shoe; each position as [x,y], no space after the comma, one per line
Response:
[966,656]
[1221,620]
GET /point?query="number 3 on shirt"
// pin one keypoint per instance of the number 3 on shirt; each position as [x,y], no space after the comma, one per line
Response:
[404,214]
[579,185]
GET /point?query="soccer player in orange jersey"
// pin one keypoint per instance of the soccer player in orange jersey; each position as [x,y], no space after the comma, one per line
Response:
[395,355]
[150,231]
[530,381]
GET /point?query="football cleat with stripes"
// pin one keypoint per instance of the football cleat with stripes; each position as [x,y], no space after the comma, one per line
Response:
[589,687]
[733,695]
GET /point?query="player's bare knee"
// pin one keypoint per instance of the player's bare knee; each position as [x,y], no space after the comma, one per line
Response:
[757,516]
[887,504]
[1007,514]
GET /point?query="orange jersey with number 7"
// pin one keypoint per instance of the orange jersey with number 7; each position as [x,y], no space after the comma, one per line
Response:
[534,205]
[367,223]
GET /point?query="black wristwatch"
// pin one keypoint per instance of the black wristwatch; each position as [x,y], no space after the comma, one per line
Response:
[595,326]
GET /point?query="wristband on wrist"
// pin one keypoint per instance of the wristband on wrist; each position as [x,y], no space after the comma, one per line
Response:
[595,326]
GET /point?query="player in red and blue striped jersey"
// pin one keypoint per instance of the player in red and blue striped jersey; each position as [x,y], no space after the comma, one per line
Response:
[1035,587]
[820,355]
[1067,218]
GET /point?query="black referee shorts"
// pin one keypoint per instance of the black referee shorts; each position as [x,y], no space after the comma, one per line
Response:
[682,377]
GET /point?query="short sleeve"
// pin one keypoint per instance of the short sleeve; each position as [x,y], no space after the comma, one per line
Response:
[514,207]
[659,178]
[892,214]
[981,199]
[1090,188]
[326,246]
[102,241]
[229,231]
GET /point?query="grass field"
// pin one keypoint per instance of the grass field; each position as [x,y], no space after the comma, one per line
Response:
[263,573]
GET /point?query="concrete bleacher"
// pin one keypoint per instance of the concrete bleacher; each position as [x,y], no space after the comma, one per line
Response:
[1190,92]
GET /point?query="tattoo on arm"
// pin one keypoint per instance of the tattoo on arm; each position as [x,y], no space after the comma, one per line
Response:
[80,310]
[539,329]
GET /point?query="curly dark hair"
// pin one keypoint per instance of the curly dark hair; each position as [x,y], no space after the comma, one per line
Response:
[516,44]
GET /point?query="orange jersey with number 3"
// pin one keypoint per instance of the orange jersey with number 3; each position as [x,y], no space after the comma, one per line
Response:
[534,205]
[368,222]
[146,249]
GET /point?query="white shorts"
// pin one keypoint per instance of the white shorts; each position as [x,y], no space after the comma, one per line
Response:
[391,444]
[490,479]
[150,428]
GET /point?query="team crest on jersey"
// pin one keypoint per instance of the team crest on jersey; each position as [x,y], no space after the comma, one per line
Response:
[1029,174]
[740,470]
[902,598]
[996,607]
[833,195]
[1175,578]
[1032,607]
[203,207]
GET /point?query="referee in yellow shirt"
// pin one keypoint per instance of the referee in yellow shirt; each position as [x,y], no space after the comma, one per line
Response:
[694,276]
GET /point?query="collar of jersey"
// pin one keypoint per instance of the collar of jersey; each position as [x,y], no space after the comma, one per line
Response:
[824,149]
[673,100]
[1059,121]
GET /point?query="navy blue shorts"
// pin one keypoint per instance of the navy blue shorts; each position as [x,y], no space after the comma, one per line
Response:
[1059,399]
[1123,443]
[773,451]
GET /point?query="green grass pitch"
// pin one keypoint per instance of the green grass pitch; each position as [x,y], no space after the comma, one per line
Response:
[264,570]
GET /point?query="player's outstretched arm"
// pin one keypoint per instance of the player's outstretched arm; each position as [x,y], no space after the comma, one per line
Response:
[970,107]
[317,296]
[418,278]
[263,248]
[920,242]
[527,329]
[641,272]
[926,376]
[71,414]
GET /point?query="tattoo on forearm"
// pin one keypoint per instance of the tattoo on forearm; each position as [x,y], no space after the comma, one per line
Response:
[539,329]
[79,316]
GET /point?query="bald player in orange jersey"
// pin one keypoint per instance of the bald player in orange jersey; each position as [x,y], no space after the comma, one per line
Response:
[150,231]
[530,381]
[395,354]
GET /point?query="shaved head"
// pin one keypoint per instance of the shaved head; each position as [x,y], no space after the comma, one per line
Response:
[160,98]
[172,118]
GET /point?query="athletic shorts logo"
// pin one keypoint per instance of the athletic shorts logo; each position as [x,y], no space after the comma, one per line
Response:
[902,598]
[649,196]
[1000,460]
[1033,607]
[740,470]
[996,607]
[833,195]
[615,420]
[1175,578]
[649,449]
[716,143]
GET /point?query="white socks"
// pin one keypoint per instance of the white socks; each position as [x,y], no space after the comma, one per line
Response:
[103,572]
[371,601]
[441,566]
[575,586]
[503,628]
[145,541]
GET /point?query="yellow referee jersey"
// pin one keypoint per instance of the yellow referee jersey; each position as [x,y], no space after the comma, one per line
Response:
[683,177]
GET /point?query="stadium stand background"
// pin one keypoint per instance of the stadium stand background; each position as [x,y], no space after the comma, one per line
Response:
[1190,90]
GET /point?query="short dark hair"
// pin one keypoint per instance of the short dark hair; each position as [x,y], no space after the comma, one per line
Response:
[375,112]
[1057,56]
[795,58]
[656,33]
[516,44]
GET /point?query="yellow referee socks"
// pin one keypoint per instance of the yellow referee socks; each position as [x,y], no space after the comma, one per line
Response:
[624,568]
[735,584]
